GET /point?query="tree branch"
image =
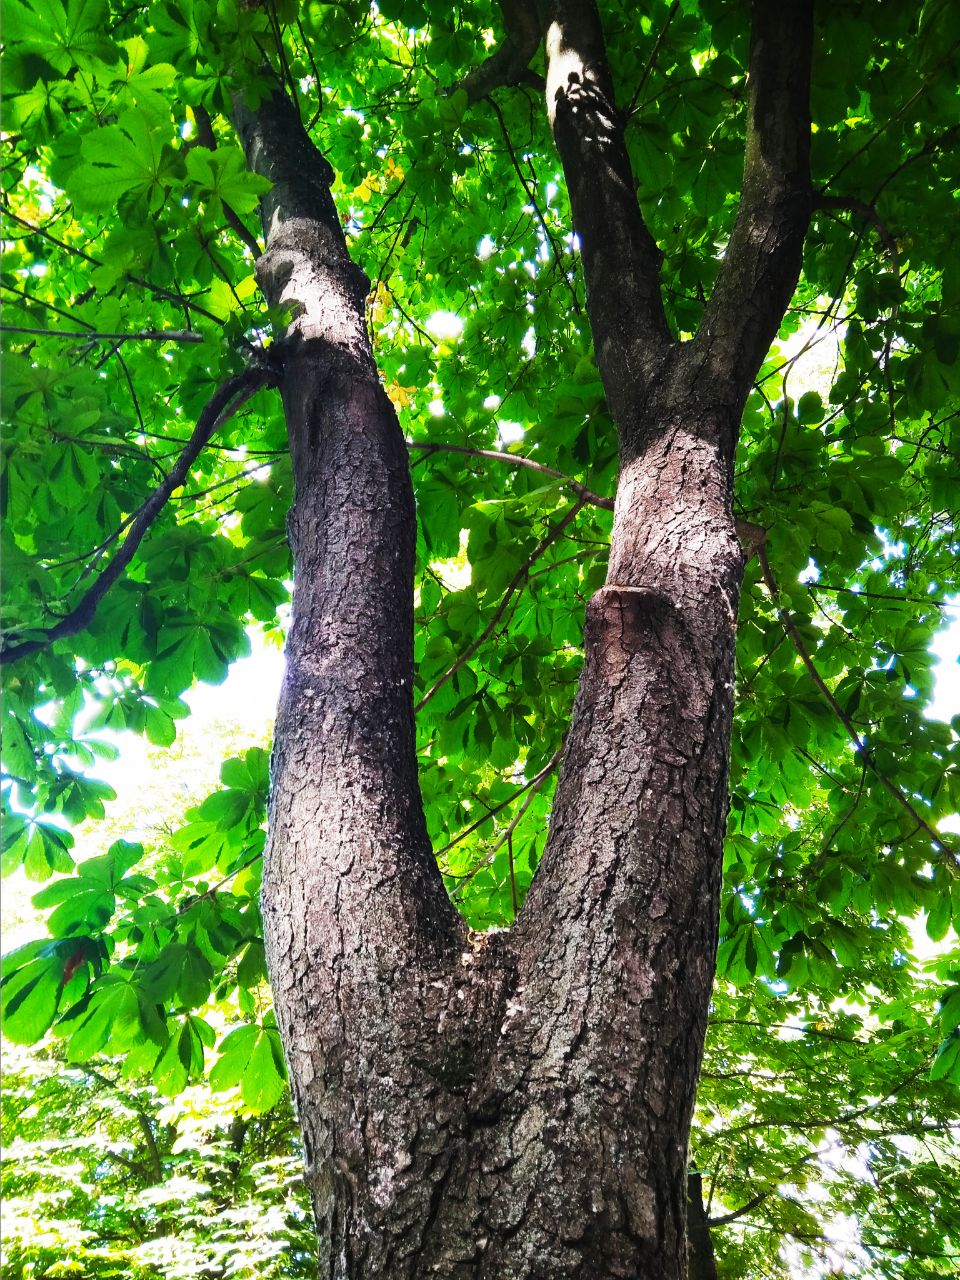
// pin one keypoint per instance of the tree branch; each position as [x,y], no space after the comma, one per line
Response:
[515,582]
[869,213]
[89,335]
[517,460]
[866,756]
[222,405]
[533,788]
[509,64]
[762,262]
[531,195]
[535,781]
[207,138]
[621,262]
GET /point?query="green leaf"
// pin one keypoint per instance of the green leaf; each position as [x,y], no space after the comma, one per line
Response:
[130,158]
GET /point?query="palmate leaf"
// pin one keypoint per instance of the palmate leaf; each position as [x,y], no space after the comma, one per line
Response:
[251,1057]
[140,86]
[30,996]
[222,176]
[63,36]
[130,158]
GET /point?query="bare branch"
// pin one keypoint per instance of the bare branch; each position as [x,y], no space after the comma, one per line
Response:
[517,460]
[224,403]
[652,60]
[145,335]
[531,195]
[507,836]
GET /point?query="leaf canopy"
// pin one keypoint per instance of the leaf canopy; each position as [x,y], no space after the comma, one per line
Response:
[128,212]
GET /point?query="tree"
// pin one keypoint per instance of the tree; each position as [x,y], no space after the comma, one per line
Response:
[494,1103]
[105,1178]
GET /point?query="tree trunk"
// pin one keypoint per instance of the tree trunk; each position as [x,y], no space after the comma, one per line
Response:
[515,1106]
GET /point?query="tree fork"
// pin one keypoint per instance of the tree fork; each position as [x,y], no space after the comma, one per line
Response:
[518,1106]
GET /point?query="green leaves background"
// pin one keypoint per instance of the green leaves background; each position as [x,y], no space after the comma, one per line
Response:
[120,220]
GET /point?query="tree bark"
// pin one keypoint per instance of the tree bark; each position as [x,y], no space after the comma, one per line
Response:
[515,1106]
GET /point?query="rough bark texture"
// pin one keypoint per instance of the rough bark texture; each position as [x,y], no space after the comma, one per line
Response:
[517,1106]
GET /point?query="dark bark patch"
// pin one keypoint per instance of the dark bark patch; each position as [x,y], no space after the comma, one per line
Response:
[623,622]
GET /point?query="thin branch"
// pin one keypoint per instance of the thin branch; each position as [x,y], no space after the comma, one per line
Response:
[652,60]
[207,138]
[516,460]
[869,213]
[507,837]
[882,595]
[515,582]
[145,335]
[788,624]
[751,1204]
[532,200]
[224,403]
[41,302]
[179,299]
[498,808]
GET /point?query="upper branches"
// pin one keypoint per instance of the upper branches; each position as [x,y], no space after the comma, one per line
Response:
[763,259]
[621,261]
[224,403]
[509,63]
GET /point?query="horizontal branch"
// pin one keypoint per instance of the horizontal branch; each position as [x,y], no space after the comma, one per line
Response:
[517,460]
[868,212]
[790,627]
[93,335]
[744,1209]
[179,299]
[222,405]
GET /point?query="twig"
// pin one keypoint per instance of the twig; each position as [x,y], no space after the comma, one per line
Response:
[179,299]
[652,60]
[517,460]
[532,199]
[514,583]
[869,214]
[507,837]
[145,335]
[224,403]
[788,624]
[498,808]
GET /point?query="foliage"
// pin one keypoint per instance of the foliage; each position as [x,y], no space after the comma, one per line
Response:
[102,1178]
[129,297]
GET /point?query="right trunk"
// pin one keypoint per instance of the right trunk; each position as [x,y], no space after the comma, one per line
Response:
[581,1109]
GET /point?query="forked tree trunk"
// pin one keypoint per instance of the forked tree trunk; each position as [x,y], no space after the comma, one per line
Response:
[517,1106]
